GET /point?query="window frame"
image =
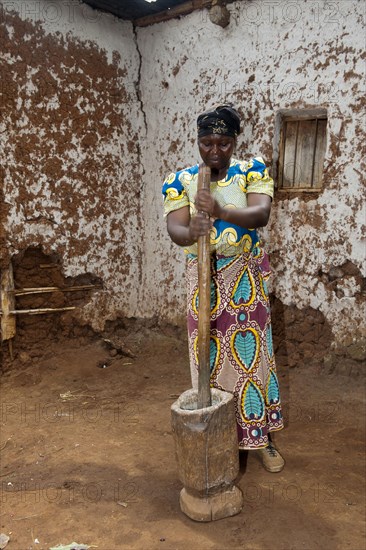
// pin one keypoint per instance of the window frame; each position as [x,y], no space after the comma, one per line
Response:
[295,115]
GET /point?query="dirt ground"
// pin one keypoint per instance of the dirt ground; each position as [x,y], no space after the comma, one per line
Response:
[87,456]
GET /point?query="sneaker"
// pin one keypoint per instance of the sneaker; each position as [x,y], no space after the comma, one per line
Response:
[271,459]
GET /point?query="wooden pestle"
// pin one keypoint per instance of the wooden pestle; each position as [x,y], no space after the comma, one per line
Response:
[204,307]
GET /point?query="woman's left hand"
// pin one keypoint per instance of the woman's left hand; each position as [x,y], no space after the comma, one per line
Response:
[205,202]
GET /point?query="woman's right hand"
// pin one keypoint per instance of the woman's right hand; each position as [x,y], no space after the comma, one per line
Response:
[185,229]
[199,225]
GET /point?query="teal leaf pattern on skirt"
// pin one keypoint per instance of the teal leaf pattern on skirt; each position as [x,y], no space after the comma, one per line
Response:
[213,353]
[273,393]
[269,341]
[222,262]
[253,406]
[213,298]
[245,345]
[244,290]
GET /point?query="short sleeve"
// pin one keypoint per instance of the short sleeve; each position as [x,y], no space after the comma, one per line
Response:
[174,193]
[258,179]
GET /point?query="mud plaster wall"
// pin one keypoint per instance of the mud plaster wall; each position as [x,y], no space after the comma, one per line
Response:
[77,181]
[69,154]
[272,56]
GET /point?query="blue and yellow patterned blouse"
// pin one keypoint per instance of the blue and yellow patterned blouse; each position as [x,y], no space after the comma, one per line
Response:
[226,239]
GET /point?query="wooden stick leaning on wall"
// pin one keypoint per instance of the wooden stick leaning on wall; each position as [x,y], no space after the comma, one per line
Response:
[204,307]
[43,290]
[40,310]
[7,302]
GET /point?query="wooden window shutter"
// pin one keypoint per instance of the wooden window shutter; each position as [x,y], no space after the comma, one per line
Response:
[302,151]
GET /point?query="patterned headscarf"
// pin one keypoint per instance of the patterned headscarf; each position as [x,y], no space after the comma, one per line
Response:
[222,120]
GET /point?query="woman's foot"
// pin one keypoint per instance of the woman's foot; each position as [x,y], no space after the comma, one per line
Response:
[271,459]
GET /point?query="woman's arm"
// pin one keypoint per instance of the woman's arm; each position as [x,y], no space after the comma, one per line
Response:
[256,214]
[184,230]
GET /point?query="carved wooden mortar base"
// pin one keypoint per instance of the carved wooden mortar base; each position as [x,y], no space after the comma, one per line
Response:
[207,455]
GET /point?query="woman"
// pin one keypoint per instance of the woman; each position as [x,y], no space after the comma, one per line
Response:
[241,352]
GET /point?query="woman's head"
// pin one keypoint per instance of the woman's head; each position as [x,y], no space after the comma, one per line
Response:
[222,120]
[217,132]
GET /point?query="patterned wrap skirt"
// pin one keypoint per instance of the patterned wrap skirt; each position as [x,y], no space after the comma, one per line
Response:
[241,351]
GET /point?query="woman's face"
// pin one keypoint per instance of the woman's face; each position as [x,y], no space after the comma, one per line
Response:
[216,150]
